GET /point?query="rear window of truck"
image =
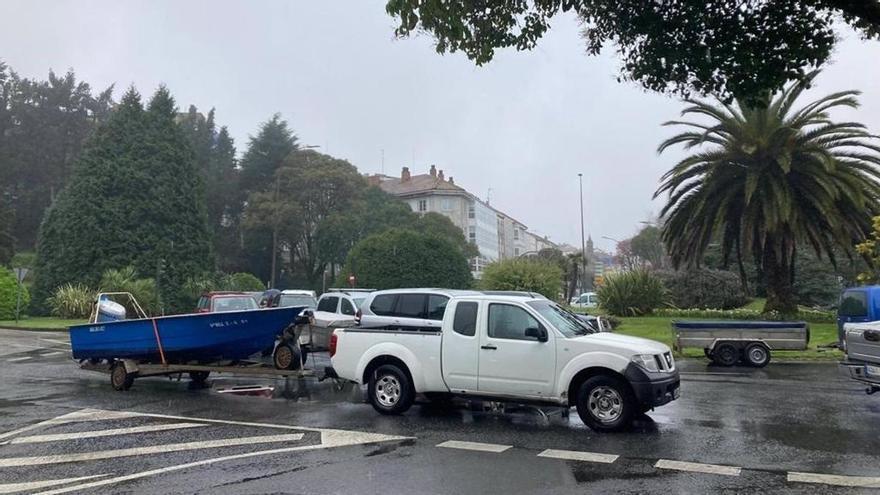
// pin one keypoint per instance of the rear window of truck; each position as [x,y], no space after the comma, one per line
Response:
[853,303]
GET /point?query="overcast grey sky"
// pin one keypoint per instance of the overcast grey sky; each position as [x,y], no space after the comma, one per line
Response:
[524,125]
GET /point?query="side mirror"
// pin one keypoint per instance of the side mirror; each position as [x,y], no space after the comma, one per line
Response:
[538,333]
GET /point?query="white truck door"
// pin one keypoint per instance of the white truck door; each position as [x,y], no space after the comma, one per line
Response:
[460,348]
[512,362]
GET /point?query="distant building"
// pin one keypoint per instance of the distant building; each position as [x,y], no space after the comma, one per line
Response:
[495,234]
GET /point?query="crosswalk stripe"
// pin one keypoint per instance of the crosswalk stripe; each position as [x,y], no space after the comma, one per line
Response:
[574,455]
[836,480]
[154,449]
[18,359]
[482,447]
[697,467]
[102,433]
[36,485]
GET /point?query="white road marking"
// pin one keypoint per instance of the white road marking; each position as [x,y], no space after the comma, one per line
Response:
[62,342]
[154,449]
[574,455]
[36,485]
[478,446]
[47,354]
[697,467]
[329,439]
[837,480]
[102,433]
[18,359]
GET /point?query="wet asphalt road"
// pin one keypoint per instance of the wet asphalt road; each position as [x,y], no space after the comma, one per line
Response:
[64,430]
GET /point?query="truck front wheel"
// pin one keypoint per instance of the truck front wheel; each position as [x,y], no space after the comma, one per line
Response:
[606,403]
[390,390]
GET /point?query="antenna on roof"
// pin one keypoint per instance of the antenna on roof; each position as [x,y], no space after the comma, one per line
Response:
[488,195]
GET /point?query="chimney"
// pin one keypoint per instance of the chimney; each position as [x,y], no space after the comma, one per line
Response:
[440,175]
[374,180]
[450,180]
[404,174]
[433,171]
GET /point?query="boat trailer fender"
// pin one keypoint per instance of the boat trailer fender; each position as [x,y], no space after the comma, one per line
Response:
[131,366]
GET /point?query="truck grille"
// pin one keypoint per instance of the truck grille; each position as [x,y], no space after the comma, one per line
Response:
[665,362]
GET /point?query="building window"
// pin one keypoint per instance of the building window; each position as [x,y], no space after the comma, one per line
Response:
[516,234]
[516,251]
[447,204]
[471,213]
[472,234]
[423,205]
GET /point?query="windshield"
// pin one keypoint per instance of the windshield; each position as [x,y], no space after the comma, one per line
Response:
[235,303]
[564,321]
[289,300]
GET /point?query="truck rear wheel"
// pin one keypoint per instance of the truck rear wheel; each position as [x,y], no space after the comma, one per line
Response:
[606,403]
[757,355]
[390,390]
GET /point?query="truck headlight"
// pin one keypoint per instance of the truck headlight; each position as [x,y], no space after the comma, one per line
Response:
[647,362]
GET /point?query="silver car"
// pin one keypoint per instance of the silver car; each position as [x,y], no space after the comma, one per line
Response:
[407,309]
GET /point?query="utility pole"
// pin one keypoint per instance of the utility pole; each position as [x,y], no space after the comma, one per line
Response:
[583,239]
[275,231]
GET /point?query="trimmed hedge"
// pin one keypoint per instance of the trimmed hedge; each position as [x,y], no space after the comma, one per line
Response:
[703,288]
[808,315]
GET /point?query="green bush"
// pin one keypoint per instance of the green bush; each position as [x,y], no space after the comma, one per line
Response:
[523,274]
[632,293]
[244,282]
[9,294]
[808,315]
[71,301]
[703,288]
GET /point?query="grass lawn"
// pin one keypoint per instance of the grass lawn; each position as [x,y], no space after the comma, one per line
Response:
[40,322]
[659,328]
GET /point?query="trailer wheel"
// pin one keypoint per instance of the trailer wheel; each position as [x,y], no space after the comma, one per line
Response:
[287,357]
[757,355]
[120,378]
[725,354]
[199,377]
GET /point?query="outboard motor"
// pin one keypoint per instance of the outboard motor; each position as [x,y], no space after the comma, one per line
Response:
[110,311]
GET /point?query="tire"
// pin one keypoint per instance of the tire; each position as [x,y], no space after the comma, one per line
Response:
[287,357]
[390,390]
[726,354]
[121,379]
[606,403]
[757,355]
[304,354]
[199,377]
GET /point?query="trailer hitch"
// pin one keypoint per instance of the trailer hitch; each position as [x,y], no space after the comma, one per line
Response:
[873,389]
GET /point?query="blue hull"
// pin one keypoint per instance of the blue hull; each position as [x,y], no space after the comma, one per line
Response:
[202,337]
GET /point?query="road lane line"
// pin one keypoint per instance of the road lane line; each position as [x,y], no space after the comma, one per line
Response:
[62,342]
[154,449]
[18,359]
[697,467]
[478,446]
[47,354]
[36,485]
[329,439]
[102,433]
[575,455]
[836,480]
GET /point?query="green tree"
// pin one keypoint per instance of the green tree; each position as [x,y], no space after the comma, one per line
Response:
[528,274]
[399,258]
[135,199]
[648,246]
[439,225]
[7,241]
[772,179]
[9,295]
[711,46]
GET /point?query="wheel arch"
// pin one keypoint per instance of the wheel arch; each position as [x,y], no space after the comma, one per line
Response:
[384,359]
[587,373]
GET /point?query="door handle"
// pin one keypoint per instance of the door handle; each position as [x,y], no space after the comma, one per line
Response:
[872,336]
[488,347]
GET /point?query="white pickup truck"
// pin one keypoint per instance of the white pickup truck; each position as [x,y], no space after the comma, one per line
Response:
[510,348]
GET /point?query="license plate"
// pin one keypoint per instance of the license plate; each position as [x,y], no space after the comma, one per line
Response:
[677,392]
[872,371]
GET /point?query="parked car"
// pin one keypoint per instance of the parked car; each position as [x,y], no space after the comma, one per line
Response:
[509,348]
[863,354]
[416,309]
[597,323]
[857,305]
[297,297]
[215,302]
[585,300]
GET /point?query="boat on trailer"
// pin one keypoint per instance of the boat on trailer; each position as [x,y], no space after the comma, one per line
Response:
[196,343]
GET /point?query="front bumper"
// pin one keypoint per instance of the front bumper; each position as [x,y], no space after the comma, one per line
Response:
[653,389]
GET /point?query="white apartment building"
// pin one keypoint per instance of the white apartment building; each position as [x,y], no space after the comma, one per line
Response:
[496,234]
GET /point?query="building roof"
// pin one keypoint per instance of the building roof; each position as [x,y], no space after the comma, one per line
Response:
[417,184]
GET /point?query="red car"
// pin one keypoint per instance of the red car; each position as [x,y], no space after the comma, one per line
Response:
[215,302]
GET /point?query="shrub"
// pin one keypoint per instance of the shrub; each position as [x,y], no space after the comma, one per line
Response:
[125,279]
[9,295]
[632,293]
[808,315]
[523,274]
[71,301]
[245,282]
[703,288]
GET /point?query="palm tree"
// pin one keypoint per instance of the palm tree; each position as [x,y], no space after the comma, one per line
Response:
[765,179]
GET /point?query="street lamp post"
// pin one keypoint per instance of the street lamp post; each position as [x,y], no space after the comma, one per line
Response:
[583,239]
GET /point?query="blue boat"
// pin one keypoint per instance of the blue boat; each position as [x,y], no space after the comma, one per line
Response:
[190,338]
